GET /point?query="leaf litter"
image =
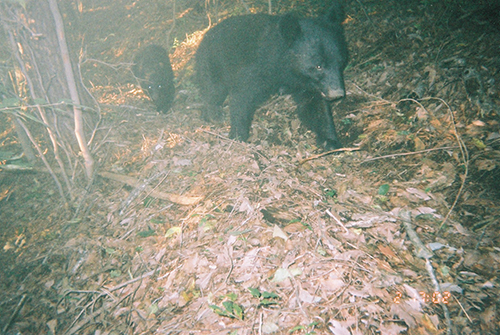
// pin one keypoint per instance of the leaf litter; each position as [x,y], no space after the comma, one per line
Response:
[185,227]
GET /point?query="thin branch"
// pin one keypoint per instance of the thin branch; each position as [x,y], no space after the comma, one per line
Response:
[423,252]
[79,132]
[44,160]
[407,153]
[302,161]
[20,304]
[465,157]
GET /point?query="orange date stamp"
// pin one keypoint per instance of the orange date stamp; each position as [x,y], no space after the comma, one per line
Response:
[427,297]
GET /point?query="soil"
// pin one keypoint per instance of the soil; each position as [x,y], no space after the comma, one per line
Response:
[184,231]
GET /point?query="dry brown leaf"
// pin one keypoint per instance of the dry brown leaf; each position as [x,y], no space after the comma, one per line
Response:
[486,165]
[387,252]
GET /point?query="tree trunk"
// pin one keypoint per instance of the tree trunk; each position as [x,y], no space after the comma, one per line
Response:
[50,94]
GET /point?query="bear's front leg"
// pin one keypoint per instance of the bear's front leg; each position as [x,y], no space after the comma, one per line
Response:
[316,114]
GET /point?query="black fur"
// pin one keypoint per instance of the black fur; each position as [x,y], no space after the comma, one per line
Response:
[153,69]
[252,57]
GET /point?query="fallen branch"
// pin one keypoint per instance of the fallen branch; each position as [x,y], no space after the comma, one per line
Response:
[138,190]
[175,198]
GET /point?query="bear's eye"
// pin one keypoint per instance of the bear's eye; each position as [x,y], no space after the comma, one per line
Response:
[316,68]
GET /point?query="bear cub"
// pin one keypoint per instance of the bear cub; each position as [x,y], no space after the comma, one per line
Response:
[153,69]
[251,57]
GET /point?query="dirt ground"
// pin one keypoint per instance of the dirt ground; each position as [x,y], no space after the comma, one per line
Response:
[184,231]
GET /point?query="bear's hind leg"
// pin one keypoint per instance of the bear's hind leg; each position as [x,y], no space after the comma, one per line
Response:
[250,92]
[212,109]
[212,89]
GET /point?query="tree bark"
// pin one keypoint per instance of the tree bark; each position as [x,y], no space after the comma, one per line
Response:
[50,93]
[70,79]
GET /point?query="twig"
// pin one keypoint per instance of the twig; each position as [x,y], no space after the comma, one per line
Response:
[20,304]
[366,14]
[131,281]
[407,153]
[232,266]
[465,156]
[221,136]
[463,310]
[421,251]
[44,160]
[138,189]
[302,161]
[437,288]
[336,220]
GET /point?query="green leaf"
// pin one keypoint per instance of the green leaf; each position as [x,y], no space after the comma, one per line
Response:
[306,225]
[146,233]
[115,273]
[254,292]
[478,143]
[110,251]
[238,311]
[148,201]
[267,302]
[232,296]
[294,329]
[153,309]
[228,305]
[321,251]
[331,193]
[383,189]
[269,295]
[218,310]
[173,231]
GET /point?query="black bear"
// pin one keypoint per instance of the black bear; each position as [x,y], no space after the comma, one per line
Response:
[251,57]
[153,69]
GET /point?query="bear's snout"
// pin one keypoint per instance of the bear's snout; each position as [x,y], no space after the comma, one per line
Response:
[333,94]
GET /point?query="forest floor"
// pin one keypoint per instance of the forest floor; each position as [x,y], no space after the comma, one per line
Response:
[223,237]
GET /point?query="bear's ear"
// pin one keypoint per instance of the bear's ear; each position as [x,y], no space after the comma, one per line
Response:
[336,13]
[290,28]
